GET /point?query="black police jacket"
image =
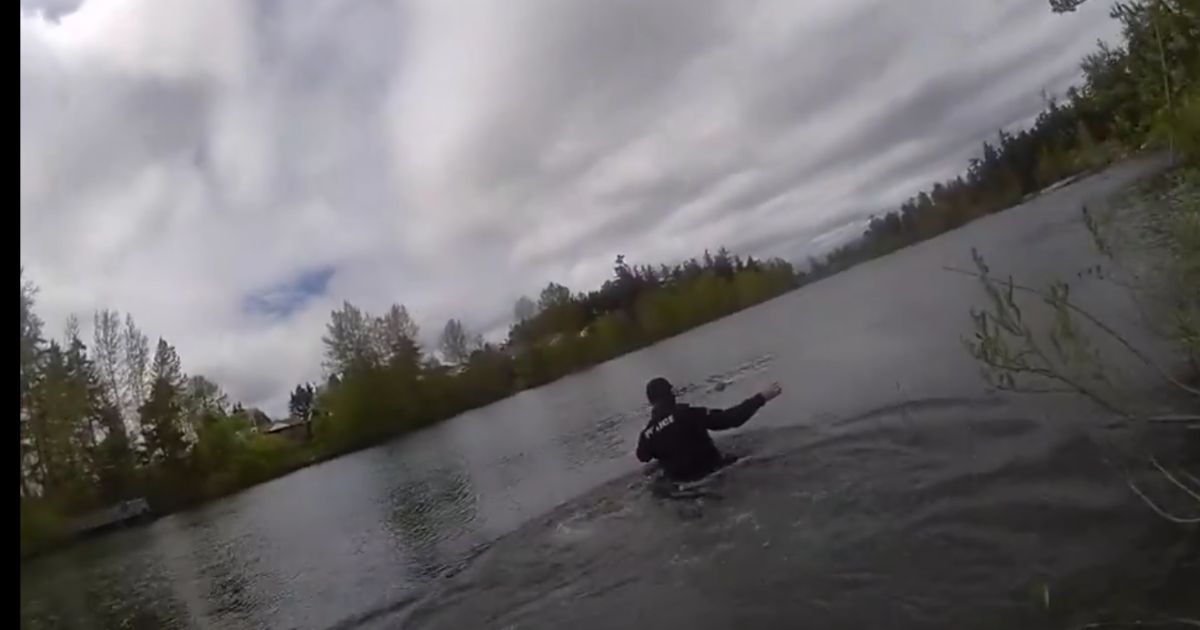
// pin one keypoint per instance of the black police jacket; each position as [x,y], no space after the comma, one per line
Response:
[677,436]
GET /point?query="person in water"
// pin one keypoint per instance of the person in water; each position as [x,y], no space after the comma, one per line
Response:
[677,434]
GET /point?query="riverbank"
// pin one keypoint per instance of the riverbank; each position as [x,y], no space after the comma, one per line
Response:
[292,458]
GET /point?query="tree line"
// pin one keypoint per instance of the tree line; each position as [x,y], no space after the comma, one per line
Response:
[1144,91]
[119,420]
[381,382]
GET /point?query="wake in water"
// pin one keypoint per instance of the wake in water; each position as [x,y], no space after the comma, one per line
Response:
[927,515]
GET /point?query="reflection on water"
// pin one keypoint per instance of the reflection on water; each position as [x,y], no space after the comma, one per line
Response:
[420,508]
[884,486]
[108,585]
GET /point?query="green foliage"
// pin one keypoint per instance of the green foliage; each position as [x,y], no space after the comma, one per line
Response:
[112,423]
[524,309]
[1179,128]
[613,334]
[1019,356]
[1016,357]
[455,343]
[1155,254]
[220,443]
[264,457]
[349,340]
[1174,208]
[1065,6]
[162,419]
[359,410]
[302,402]
[42,526]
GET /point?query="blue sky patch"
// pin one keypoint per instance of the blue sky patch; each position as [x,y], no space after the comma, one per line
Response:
[282,300]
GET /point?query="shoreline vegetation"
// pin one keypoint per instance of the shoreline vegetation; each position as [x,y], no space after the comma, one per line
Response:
[116,421]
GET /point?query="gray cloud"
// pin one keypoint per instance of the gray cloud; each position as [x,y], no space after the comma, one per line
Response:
[52,9]
[185,159]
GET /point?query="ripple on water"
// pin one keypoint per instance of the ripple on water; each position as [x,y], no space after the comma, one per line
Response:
[936,514]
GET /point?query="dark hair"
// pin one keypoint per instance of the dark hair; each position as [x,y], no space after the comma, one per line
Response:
[659,390]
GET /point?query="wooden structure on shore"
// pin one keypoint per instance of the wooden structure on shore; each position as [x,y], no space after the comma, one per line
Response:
[121,514]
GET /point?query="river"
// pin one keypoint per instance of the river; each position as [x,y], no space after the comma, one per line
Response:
[885,489]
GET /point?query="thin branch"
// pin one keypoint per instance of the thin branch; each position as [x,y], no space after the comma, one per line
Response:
[1036,371]
[1185,475]
[1047,390]
[1135,293]
[1072,386]
[1082,389]
[1162,56]
[1172,479]
[1139,623]
[1096,322]
[1182,520]
[1170,418]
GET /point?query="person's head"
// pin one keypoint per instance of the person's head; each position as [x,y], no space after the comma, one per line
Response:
[659,391]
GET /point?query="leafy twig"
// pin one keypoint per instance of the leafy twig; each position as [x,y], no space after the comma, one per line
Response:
[1093,320]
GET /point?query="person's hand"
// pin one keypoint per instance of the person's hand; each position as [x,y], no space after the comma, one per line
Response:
[772,391]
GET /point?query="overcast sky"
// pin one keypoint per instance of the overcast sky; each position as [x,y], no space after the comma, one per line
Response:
[231,170]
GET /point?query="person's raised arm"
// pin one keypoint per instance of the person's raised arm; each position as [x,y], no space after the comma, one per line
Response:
[736,416]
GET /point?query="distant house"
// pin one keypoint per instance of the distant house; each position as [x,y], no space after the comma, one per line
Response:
[295,430]
[261,421]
